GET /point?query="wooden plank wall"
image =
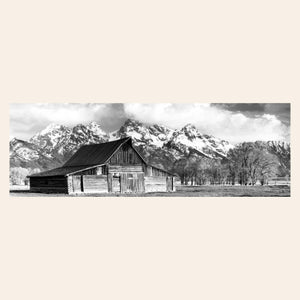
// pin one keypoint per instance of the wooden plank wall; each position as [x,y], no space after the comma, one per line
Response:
[132,183]
[101,170]
[87,184]
[94,183]
[49,184]
[152,171]
[125,155]
[116,185]
[125,169]
[155,184]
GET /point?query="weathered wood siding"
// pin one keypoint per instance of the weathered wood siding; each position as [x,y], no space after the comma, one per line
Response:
[125,169]
[101,170]
[169,184]
[87,184]
[94,183]
[155,172]
[76,184]
[155,184]
[57,184]
[132,183]
[116,185]
[125,156]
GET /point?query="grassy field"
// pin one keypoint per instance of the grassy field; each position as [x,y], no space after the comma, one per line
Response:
[184,191]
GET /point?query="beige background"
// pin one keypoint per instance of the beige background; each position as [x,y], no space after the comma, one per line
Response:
[144,51]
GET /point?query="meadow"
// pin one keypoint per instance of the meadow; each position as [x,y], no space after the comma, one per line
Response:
[182,191]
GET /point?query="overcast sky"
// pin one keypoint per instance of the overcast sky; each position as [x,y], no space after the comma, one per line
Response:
[235,122]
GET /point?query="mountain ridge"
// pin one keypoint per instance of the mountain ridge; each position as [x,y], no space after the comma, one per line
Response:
[159,144]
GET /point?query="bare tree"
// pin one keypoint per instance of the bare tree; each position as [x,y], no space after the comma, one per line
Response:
[250,162]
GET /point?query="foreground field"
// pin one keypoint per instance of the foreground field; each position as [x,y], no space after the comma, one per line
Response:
[184,191]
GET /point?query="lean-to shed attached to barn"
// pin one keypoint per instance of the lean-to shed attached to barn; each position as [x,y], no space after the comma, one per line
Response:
[112,167]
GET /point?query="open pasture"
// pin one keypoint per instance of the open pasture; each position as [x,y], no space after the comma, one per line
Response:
[181,191]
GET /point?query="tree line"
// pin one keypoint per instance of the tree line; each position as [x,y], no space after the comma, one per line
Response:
[246,164]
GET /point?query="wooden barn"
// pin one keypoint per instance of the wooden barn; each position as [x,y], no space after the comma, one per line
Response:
[112,167]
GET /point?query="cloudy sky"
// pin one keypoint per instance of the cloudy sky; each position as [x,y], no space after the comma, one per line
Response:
[235,122]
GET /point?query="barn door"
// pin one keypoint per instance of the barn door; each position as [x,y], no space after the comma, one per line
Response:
[132,183]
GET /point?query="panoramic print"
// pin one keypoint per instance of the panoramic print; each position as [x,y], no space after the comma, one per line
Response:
[150,149]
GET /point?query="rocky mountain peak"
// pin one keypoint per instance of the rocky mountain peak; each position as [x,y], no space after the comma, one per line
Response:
[53,127]
[132,123]
[96,129]
[157,143]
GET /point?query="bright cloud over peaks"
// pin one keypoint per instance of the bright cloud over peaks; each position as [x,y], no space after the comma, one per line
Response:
[232,122]
[232,126]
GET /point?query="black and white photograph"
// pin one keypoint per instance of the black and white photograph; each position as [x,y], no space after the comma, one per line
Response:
[150,149]
[147,150]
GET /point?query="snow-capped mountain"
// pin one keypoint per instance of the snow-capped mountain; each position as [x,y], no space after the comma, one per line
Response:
[24,150]
[61,140]
[158,144]
[51,137]
[28,155]
[177,142]
[190,139]
[154,135]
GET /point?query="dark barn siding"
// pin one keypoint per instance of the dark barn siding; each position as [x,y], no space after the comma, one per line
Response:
[57,184]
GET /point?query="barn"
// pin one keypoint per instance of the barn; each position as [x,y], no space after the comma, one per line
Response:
[112,167]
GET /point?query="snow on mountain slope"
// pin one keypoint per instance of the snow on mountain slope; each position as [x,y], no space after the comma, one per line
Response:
[156,143]
[154,135]
[64,140]
[51,136]
[96,129]
[23,150]
[161,144]
[190,138]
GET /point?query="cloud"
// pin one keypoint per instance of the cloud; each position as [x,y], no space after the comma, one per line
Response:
[232,123]
[229,125]
[280,110]
[27,119]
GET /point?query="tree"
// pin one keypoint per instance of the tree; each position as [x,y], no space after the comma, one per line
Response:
[18,175]
[250,162]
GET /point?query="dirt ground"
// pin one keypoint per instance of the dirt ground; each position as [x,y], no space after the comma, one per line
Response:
[184,191]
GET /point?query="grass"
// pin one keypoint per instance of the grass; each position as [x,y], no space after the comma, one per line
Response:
[184,191]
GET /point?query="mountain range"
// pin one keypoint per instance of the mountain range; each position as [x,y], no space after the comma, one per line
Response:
[158,144]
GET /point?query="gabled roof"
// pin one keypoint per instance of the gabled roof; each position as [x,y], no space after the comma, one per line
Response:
[97,154]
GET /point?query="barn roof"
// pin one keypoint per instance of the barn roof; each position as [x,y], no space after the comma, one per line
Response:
[97,154]
[62,171]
